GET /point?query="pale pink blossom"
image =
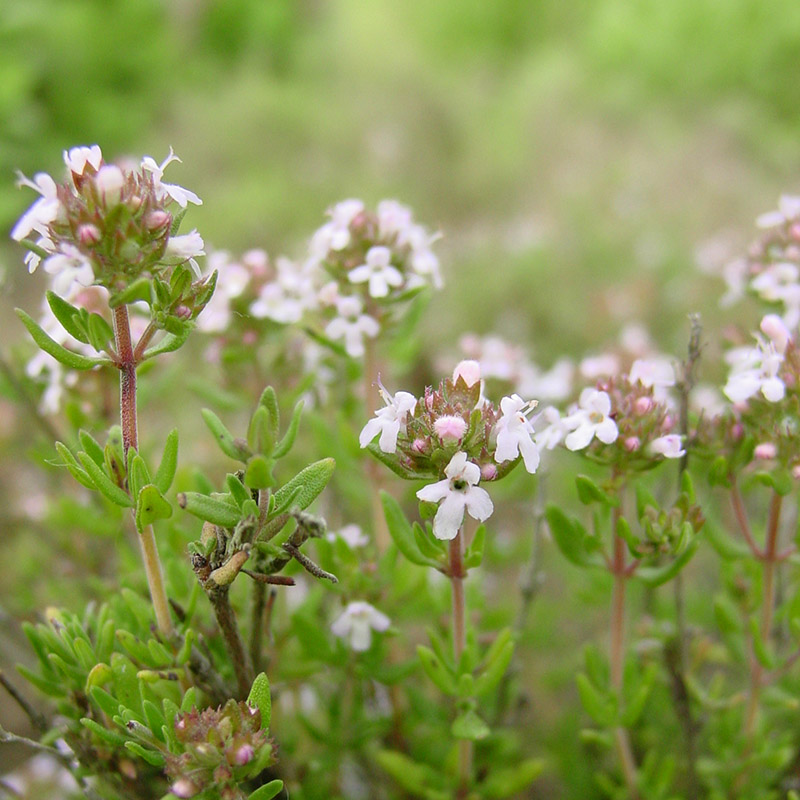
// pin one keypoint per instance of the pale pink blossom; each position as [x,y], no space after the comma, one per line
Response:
[177,193]
[515,433]
[44,211]
[591,420]
[469,371]
[377,271]
[352,325]
[356,623]
[389,421]
[668,446]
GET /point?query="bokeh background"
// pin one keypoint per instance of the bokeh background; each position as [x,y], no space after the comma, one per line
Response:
[579,156]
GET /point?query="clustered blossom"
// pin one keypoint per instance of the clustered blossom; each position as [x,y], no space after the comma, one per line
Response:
[457,435]
[221,748]
[105,225]
[356,623]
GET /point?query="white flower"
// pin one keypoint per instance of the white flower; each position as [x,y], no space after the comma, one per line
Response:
[180,195]
[554,432]
[668,446]
[555,384]
[351,535]
[755,370]
[352,326]
[389,421]
[76,158]
[590,420]
[232,280]
[652,373]
[335,235]
[602,366]
[394,219]
[71,271]
[423,260]
[514,433]
[42,212]
[378,271]
[788,210]
[286,298]
[109,181]
[186,247]
[458,492]
[356,624]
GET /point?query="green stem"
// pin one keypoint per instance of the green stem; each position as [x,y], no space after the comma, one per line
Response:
[130,438]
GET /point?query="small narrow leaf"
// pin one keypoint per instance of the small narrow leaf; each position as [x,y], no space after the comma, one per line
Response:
[65,313]
[261,699]
[437,671]
[285,444]
[169,463]
[104,484]
[402,533]
[470,726]
[169,343]
[209,509]
[150,506]
[232,447]
[311,481]
[267,791]
[59,353]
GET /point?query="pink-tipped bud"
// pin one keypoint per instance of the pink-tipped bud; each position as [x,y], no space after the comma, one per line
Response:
[642,405]
[429,401]
[244,755]
[157,220]
[488,472]
[469,371]
[419,445]
[668,424]
[737,431]
[774,327]
[88,235]
[765,451]
[183,312]
[632,444]
[796,472]
[450,427]
[183,787]
[249,338]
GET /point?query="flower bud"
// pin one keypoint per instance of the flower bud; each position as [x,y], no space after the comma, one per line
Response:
[469,370]
[450,427]
[157,220]
[184,788]
[642,405]
[765,451]
[632,444]
[183,312]
[488,472]
[419,445]
[88,235]
[109,182]
[796,472]
[244,755]
[775,328]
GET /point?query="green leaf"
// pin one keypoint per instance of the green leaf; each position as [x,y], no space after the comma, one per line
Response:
[511,781]
[635,705]
[236,449]
[209,509]
[258,474]
[267,791]
[311,481]
[644,500]
[727,615]
[59,353]
[152,757]
[727,548]
[100,332]
[110,737]
[261,699]
[601,707]
[655,576]
[138,474]
[412,776]
[65,313]
[469,726]
[762,650]
[437,671]
[285,444]
[104,484]
[151,506]
[626,534]
[566,536]
[238,492]
[474,555]
[169,463]
[169,343]
[139,290]
[589,492]
[402,533]
[75,469]
[105,702]
[496,666]
[428,544]
[388,460]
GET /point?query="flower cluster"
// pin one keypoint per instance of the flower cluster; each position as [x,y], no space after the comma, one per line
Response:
[625,419]
[105,225]
[221,748]
[456,434]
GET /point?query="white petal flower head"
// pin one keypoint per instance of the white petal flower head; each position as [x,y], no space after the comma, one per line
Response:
[186,248]
[337,231]
[389,421]
[753,370]
[352,536]
[352,326]
[591,420]
[457,493]
[377,271]
[177,193]
[554,430]
[668,446]
[652,373]
[76,158]
[394,219]
[42,212]
[356,623]
[71,271]
[788,210]
[515,433]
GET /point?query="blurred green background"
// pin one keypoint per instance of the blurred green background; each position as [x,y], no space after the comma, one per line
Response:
[578,152]
[575,155]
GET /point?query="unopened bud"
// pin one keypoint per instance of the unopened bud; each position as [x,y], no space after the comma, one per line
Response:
[765,451]
[796,472]
[642,405]
[488,472]
[244,755]
[157,220]
[225,574]
[183,787]
[775,328]
[88,235]
[632,444]
[419,445]
[450,427]
[469,371]
[109,182]
[183,312]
